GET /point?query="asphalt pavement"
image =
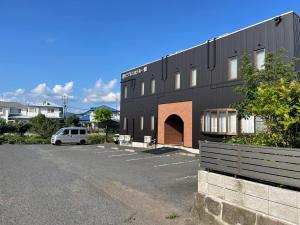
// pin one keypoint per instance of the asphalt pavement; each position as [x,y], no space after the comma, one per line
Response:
[95,184]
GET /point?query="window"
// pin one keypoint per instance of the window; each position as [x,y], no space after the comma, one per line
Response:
[125,91]
[66,132]
[152,86]
[83,132]
[222,122]
[50,110]
[15,111]
[1,110]
[125,123]
[177,81]
[219,121]
[232,122]
[152,122]
[247,125]
[207,122]
[32,110]
[233,69]
[142,122]
[74,132]
[193,78]
[214,122]
[142,88]
[260,59]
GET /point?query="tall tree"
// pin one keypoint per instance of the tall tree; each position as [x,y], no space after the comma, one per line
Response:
[272,93]
[103,115]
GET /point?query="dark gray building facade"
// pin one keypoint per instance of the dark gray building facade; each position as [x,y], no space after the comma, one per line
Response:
[185,97]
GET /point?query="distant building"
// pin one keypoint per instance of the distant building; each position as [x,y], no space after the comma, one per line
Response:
[13,111]
[88,117]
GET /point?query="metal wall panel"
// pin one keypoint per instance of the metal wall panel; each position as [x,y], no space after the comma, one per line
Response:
[213,89]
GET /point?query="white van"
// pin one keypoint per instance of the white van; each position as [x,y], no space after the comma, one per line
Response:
[69,135]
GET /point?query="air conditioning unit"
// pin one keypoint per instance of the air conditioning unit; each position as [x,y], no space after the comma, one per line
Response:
[147,139]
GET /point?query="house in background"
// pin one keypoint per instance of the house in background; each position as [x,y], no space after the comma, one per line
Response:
[88,118]
[14,111]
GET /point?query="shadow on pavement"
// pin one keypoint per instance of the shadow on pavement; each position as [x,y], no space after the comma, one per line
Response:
[159,151]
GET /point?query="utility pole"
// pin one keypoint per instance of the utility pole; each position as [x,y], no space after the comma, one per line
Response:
[65,105]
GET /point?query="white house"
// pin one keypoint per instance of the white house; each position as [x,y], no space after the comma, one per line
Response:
[12,111]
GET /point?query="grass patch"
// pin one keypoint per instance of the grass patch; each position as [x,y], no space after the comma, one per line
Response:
[172,216]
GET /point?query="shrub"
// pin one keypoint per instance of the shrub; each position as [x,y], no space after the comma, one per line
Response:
[34,139]
[43,126]
[12,139]
[260,138]
[98,139]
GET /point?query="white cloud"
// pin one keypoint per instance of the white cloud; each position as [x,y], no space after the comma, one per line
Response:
[63,90]
[39,89]
[39,93]
[102,92]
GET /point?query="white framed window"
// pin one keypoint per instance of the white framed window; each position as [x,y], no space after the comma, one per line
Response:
[50,110]
[219,121]
[214,122]
[193,77]
[142,123]
[32,110]
[247,125]
[207,122]
[222,122]
[259,59]
[177,81]
[142,88]
[125,123]
[152,122]
[125,91]
[152,86]
[232,119]
[233,68]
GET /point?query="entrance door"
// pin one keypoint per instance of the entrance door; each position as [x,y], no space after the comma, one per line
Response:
[174,130]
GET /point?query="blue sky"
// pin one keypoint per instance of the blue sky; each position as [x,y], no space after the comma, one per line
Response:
[79,48]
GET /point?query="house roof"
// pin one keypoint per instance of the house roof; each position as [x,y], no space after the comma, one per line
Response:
[92,109]
[85,118]
[11,104]
[104,107]
[45,104]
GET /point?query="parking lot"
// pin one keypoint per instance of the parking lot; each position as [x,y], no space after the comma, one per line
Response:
[136,186]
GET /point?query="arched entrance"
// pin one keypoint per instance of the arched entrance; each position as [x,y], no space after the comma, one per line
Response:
[174,130]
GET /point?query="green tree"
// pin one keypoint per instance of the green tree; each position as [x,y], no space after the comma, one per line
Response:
[72,121]
[273,94]
[102,116]
[21,127]
[43,126]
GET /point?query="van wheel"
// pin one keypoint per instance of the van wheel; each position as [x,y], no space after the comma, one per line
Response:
[58,143]
[82,142]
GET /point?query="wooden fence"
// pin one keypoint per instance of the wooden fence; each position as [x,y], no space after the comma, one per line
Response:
[276,165]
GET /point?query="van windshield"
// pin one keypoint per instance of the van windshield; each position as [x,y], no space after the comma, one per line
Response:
[59,132]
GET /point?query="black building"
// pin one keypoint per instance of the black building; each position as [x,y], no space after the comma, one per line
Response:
[185,97]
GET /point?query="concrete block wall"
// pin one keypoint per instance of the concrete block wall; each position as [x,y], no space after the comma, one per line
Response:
[257,203]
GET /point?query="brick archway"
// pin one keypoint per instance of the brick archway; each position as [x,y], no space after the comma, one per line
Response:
[174,128]
[182,110]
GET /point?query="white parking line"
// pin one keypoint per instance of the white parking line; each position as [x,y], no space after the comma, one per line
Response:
[115,148]
[175,163]
[129,150]
[187,177]
[110,156]
[150,157]
[110,151]
[100,146]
